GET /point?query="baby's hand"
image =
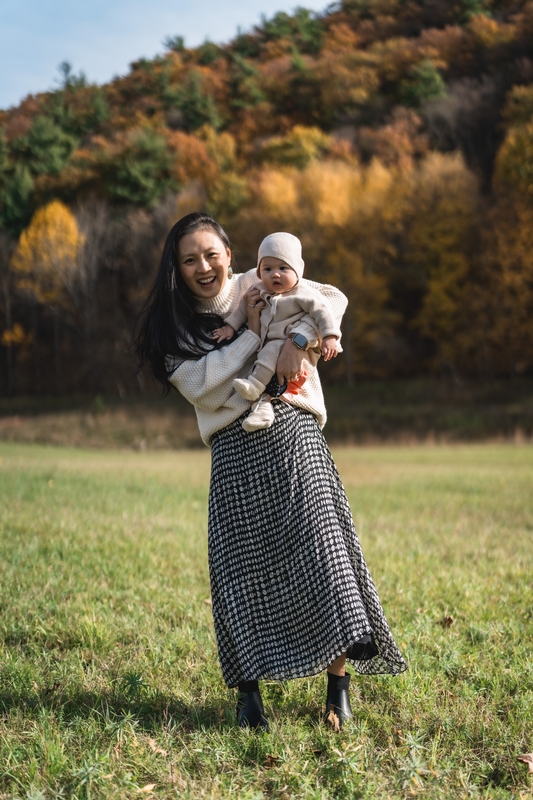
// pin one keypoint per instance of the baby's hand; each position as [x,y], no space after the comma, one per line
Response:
[329,347]
[225,332]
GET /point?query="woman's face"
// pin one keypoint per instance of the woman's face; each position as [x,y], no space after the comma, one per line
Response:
[204,261]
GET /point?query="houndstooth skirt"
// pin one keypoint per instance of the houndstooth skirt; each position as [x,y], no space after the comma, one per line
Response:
[290,588]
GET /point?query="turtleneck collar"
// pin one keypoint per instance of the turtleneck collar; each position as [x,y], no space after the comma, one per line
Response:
[223,300]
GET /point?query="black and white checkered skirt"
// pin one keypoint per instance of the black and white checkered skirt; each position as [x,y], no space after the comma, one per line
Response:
[290,587]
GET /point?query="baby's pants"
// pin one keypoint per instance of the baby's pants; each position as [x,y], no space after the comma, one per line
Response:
[267,358]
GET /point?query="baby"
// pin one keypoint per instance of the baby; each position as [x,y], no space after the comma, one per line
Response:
[280,268]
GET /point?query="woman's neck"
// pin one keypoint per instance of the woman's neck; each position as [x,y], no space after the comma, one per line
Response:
[222,302]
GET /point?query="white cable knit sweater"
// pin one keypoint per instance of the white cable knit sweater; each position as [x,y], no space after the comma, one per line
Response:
[207,383]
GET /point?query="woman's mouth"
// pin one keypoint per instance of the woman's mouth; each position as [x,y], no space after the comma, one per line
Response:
[207,281]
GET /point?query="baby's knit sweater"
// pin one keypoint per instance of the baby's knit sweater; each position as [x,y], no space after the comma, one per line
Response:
[284,310]
[207,383]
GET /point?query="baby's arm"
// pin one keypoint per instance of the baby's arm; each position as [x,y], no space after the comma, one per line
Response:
[337,302]
[225,332]
[319,309]
[238,317]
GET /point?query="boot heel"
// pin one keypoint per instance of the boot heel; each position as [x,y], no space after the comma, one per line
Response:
[250,711]
[338,709]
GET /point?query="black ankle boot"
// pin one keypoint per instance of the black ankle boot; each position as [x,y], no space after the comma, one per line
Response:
[250,711]
[338,708]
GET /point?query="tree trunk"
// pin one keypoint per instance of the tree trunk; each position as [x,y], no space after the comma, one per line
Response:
[9,325]
[10,371]
[347,344]
[57,353]
[36,350]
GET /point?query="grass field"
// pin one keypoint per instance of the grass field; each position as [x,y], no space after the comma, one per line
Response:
[109,681]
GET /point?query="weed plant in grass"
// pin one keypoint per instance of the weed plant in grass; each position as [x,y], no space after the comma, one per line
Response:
[109,680]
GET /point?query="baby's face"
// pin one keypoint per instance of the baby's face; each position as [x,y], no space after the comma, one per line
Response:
[277,276]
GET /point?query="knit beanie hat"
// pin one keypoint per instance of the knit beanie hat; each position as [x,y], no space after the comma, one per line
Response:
[284,246]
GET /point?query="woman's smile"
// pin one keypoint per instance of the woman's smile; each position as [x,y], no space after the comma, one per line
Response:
[204,261]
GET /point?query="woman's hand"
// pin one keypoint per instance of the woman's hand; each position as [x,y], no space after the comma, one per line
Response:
[254,304]
[289,363]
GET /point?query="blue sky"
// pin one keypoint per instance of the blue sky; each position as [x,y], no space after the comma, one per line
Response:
[101,37]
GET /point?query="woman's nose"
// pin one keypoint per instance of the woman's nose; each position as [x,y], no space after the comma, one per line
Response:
[203,265]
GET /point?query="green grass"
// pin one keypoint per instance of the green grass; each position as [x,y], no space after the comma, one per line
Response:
[109,680]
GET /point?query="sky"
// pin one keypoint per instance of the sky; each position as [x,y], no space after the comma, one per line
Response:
[102,37]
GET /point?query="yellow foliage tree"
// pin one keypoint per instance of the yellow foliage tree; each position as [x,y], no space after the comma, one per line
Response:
[510,284]
[514,164]
[297,148]
[443,198]
[46,260]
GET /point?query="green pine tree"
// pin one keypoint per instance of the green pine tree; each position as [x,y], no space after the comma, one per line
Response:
[196,104]
[16,186]
[141,174]
[46,148]
[246,90]
[424,83]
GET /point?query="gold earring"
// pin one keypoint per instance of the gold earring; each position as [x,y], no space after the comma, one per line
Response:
[230,272]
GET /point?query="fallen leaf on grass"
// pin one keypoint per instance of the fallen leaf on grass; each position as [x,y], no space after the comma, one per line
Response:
[446,622]
[527,759]
[271,761]
[333,721]
[152,744]
[208,602]
[148,788]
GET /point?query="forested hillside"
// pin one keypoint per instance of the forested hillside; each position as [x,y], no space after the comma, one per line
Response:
[395,137]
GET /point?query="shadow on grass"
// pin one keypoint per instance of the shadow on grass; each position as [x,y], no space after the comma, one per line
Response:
[150,713]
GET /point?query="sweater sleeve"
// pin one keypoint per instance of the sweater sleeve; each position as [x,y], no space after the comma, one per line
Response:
[238,317]
[337,303]
[319,309]
[207,383]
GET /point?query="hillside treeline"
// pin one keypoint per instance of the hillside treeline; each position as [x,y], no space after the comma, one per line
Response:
[395,137]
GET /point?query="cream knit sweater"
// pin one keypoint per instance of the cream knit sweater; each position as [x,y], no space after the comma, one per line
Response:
[207,383]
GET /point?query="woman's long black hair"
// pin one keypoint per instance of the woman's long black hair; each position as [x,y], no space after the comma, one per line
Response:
[170,323]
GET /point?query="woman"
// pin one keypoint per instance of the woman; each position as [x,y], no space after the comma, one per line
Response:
[291,592]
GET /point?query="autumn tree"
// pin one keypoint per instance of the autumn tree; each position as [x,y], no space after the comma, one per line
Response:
[297,148]
[6,289]
[440,254]
[45,263]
